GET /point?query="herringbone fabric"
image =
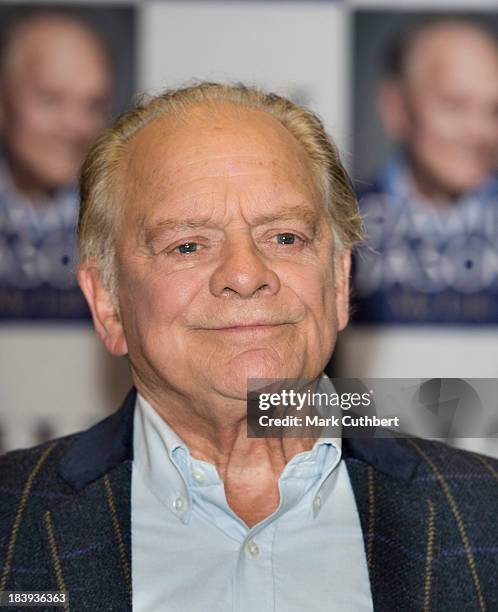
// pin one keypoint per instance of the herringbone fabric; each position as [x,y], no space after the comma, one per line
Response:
[428,514]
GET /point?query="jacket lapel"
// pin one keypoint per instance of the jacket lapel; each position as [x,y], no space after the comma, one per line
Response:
[89,538]
[399,524]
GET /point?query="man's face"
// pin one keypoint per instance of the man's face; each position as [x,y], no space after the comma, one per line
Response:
[225,258]
[54,99]
[452,106]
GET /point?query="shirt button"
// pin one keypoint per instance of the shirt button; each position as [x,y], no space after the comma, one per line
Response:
[180,504]
[317,502]
[198,476]
[252,549]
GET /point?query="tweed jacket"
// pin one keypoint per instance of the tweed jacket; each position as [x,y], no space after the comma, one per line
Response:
[428,515]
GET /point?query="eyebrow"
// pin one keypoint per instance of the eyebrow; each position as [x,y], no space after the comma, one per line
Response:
[289,213]
[154,232]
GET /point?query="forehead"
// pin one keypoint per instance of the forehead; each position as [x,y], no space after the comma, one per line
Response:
[212,148]
[57,50]
[456,54]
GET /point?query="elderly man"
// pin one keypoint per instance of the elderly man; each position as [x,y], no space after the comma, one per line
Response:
[216,225]
[431,214]
[55,86]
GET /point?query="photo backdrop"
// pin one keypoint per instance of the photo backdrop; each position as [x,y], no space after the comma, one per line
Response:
[56,378]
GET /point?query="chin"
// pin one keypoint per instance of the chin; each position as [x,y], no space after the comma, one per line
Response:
[53,182]
[467,181]
[256,364]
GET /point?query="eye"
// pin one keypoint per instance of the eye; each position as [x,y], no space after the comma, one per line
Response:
[287,238]
[186,248]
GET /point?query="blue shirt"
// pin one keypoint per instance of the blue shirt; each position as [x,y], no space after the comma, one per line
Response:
[191,552]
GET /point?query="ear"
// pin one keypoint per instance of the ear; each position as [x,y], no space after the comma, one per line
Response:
[106,318]
[342,270]
[392,110]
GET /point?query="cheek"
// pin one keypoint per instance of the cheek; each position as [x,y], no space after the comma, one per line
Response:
[329,301]
[314,286]
[322,322]
[31,138]
[436,128]
[163,299]
[33,118]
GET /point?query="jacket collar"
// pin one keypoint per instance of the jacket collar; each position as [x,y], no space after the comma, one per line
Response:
[110,442]
[101,448]
[390,456]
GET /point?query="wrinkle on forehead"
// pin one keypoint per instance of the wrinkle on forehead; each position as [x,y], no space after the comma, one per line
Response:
[170,150]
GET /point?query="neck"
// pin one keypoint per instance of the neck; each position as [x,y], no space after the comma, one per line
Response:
[215,431]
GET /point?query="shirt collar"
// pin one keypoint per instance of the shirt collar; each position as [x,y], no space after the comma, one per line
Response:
[155,446]
[170,472]
[109,443]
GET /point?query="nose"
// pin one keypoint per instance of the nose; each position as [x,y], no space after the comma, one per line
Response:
[243,272]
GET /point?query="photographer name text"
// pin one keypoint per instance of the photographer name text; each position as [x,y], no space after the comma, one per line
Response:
[345,420]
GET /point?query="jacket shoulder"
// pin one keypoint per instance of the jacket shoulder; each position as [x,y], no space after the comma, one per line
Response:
[33,474]
[440,457]
[465,479]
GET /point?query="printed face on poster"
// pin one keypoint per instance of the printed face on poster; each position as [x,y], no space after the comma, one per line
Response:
[426,167]
[64,73]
